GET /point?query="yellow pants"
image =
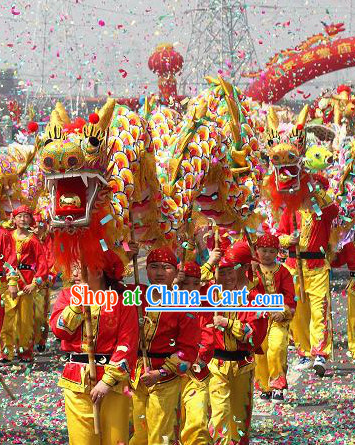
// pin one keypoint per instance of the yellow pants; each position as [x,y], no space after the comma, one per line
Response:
[114,418]
[18,325]
[231,397]
[351,316]
[3,289]
[154,413]
[271,368]
[41,305]
[194,412]
[310,324]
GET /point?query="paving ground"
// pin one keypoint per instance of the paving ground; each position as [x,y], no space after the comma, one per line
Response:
[316,411]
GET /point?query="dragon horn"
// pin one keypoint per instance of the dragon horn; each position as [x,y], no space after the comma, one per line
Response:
[272,119]
[337,113]
[302,117]
[105,114]
[63,115]
[232,107]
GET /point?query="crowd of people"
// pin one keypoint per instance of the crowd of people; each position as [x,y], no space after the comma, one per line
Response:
[175,376]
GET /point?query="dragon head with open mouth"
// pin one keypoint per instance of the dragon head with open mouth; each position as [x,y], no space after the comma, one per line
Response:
[288,181]
[75,158]
[286,151]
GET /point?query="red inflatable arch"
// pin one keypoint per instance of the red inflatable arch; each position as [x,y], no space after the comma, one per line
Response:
[272,84]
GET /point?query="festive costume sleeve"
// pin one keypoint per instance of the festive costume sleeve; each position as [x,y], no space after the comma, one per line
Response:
[186,343]
[207,341]
[284,230]
[41,272]
[237,328]
[49,251]
[65,318]
[249,328]
[331,211]
[341,257]
[207,273]
[124,357]
[287,288]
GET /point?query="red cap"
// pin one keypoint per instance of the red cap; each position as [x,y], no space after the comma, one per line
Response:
[113,265]
[238,253]
[268,240]
[192,269]
[22,209]
[162,255]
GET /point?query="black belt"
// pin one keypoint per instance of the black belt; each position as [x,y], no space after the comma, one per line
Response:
[100,359]
[2,274]
[352,273]
[22,266]
[232,356]
[155,354]
[308,255]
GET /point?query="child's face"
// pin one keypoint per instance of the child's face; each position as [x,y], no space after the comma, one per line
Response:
[267,255]
[161,273]
[190,284]
[23,220]
[227,277]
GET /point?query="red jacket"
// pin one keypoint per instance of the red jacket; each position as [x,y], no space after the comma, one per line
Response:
[207,340]
[174,334]
[29,252]
[279,281]
[346,256]
[245,330]
[314,237]
[7,253]
[47,243]
[115,333]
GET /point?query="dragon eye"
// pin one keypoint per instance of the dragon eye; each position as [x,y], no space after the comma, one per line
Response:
[72,161]
[48,162]
[48,141]
[94,141]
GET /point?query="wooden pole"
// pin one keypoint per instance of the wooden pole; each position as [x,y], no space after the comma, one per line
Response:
[140,310]
[216,246]
[331,327]
[6,388]
[299,262]
[91,353]
[252,250]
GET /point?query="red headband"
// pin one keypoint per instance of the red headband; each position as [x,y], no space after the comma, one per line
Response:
[162,255]
[238,253]
[22,209]
[268,240]
[192,269]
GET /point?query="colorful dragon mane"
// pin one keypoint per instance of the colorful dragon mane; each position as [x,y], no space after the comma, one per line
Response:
[214,158]
[21,180]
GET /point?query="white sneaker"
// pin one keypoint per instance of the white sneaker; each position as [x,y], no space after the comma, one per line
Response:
[320,365]
[303,363]
[277,396]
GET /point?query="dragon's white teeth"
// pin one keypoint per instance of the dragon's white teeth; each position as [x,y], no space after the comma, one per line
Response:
[85,179]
